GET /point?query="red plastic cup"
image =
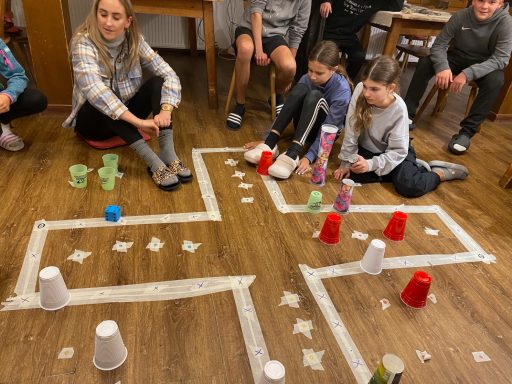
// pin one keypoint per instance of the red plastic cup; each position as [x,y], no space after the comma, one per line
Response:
[265,163]
[330,233]
[395,229]
[415,293]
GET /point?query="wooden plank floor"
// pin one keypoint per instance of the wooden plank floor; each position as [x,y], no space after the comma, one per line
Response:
[199,340]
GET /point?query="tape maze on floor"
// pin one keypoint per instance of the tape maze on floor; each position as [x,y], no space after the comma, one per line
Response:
[27,297]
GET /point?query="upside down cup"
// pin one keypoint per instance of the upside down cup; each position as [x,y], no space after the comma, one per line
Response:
[415,293]
[110,351]
[395,230]
[330,233]
[265,163]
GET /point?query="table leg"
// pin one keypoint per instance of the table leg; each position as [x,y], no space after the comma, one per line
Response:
[209,37]
[392,39]
[192,36]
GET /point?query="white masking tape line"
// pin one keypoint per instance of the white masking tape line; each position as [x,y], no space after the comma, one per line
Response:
[100,222]
[28,275]
[393,208]
[251,331]
[205,184]
[275,194]
[353,267]
[340,332]
[304,208]
[218,150]
[165,290]
[463,236]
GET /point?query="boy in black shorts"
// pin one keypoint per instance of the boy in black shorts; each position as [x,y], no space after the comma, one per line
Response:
[261,35]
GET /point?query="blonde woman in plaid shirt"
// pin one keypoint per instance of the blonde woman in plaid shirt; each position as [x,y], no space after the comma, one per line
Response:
[109,96]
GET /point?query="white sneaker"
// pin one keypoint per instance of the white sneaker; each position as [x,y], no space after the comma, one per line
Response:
[253,156]
[283,166]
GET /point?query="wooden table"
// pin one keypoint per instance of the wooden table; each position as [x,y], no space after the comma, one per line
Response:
[398,23]
[193,9]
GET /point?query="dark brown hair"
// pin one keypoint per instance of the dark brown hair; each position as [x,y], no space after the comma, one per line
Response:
[383,70]
[327,53]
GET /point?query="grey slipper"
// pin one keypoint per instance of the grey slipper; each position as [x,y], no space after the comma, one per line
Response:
[424,164]
[451,171]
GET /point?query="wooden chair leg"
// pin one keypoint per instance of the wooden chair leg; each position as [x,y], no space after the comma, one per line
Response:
[273,90]
[506,179]
[429,97]
[442,98]
[230,93]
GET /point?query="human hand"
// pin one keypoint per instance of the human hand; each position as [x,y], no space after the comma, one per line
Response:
[261,58]
[163,119]
[5,103]
[148,126]
[252,144]
[444,78]
[325,9]
[458,82]
[341,173]
[303,167]
[360,166]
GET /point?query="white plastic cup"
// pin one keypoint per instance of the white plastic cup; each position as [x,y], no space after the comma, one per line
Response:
[374,257]
[53,293]
[110,351]
[274,372]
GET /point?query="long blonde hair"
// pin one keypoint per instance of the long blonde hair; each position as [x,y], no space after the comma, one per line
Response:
[384,70]
[90,29]
[327,53]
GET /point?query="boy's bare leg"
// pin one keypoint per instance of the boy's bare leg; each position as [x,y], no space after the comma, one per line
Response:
[245,51]
[285,67]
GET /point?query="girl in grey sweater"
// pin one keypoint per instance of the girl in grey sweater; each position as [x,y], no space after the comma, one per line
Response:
[376,144]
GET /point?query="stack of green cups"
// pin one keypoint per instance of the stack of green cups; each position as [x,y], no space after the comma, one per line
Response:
[110,160]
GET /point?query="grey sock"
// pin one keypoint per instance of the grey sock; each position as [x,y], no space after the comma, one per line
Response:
[147,154]
[166,143]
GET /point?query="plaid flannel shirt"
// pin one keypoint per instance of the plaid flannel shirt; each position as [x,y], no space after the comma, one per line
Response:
[93,80]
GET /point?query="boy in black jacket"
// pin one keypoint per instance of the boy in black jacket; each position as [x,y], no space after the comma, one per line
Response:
[346,19]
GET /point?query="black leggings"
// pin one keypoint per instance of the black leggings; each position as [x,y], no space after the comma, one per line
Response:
[408,178]
[29,102]
[308,110]
[93,124]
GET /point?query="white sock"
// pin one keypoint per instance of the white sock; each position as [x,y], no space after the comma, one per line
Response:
[6,128]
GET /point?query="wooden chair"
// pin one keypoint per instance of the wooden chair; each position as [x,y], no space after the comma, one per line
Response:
[272,81]
[409,49]
[19,43]
[442,98]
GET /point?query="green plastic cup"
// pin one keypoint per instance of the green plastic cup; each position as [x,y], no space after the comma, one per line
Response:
[315,202]
[107,178]
[78,175]
[110,160]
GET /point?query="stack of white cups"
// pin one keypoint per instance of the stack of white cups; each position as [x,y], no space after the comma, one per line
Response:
[110,351]
[53,293]
[273,372]
[374,257]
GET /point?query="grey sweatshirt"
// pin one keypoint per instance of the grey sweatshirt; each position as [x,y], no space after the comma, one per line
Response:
[485,43]
[280,17]
[387,135]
